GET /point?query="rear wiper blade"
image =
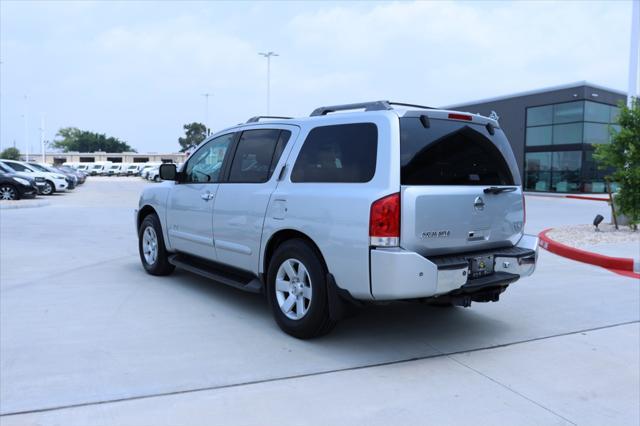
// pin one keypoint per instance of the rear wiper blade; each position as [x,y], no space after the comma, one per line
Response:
[498,190]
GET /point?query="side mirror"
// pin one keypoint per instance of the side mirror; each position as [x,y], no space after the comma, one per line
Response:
[168,172]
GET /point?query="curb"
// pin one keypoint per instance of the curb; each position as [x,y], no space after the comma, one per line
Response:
[622,265]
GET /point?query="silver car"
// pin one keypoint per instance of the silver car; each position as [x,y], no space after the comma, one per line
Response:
[358,203]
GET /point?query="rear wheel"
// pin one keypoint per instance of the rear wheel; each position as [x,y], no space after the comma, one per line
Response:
[8,192]
[297,290]
[48,188]
[153,253]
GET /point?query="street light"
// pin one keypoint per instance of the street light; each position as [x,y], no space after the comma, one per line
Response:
[206,110]
[268,55]
[26,126]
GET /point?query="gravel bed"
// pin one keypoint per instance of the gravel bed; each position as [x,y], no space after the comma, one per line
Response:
[584,235]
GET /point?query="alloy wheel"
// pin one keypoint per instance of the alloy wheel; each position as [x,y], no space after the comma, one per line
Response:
[293,289]
[8,193]
[150,245]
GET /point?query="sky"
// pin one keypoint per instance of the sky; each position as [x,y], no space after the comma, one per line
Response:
[138,70]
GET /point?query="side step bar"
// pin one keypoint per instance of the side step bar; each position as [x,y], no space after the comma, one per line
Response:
[210,270]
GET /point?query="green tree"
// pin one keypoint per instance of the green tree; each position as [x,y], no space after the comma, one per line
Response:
[623,153]
[10,154]
[194,134]
[74,139]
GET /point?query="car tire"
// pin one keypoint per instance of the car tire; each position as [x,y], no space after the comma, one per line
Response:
[153,252]
[9,193]
[307,314]
[48,188]
[156,178]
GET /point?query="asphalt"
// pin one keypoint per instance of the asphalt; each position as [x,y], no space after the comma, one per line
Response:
[86,337]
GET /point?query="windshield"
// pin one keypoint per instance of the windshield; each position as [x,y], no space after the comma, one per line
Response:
[39,167]
[453,153]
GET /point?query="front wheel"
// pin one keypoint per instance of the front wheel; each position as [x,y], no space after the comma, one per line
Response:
[48,188]
[297,290]
[8,192]
[153,253]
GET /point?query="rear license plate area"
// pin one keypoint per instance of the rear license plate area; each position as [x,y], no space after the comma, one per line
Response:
[480,266]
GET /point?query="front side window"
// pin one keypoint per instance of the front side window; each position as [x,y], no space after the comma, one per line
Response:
[205,164]
[344,153]
[255,155]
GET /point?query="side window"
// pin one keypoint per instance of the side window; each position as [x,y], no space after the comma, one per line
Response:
[256,155]
[341,153]
[205,164]
[18,167]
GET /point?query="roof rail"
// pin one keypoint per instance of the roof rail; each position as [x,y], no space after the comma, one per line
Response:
[367,106]
[260,117]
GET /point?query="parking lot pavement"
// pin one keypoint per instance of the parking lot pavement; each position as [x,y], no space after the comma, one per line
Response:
[82,326]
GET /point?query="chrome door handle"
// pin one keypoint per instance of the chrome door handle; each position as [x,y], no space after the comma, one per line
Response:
[207,196]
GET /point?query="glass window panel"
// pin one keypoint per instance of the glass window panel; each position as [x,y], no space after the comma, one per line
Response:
[614,113]
[594,111]
[538,181]
[565,181]
[595,133]
[567,133]
[538,116]
[537,161]
[567,161]
[539,136]
[568,112]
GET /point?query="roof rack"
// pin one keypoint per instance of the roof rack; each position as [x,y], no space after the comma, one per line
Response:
[367,106]
[260,117]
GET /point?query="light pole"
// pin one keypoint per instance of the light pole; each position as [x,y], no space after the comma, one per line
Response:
[42,139]
[206,111]
[633,52]
[268,55]
[26,127]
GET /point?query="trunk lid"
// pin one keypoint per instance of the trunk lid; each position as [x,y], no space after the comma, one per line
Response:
[460,187]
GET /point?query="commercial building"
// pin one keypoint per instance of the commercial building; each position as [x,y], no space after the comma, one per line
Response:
[553,133]
[122,157]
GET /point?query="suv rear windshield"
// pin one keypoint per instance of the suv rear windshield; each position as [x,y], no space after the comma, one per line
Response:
[454,153]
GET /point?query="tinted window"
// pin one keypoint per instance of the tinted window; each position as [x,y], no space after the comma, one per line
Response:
[256,155]
[539,135]
[538,116]
[341,153]
[206,163]
[451,153]
[567,133]
[568,112]
[18,167]
[594,111]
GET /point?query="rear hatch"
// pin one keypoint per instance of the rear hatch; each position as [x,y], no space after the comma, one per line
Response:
[460,186]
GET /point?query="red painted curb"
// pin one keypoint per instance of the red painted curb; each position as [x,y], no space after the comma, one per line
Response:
[622,264]
[584,197]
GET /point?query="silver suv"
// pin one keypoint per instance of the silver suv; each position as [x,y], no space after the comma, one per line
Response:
[357,203]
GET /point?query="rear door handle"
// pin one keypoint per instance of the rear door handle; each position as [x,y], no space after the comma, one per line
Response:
[207,196]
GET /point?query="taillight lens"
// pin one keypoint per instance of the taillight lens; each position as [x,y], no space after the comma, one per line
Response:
[384,221]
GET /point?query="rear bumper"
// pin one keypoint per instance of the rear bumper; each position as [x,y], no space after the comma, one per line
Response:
[400,274]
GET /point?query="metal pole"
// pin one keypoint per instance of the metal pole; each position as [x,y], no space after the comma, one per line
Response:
[268,55]
[633,52]
[206,111]
[44,160]
[26,127]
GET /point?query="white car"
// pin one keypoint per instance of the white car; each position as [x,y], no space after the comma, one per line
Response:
[132,169]
[53,182]
[114,170]
[154,174]
[83,167]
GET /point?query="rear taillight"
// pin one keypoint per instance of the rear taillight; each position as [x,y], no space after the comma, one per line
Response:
[384,221]
[454,116]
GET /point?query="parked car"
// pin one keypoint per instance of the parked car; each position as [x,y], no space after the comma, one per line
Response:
[144,173]
[72,179]
[82,177]
[154,174]
[99,169]
[14,187]
[397,202]
[47,182]
[83,167]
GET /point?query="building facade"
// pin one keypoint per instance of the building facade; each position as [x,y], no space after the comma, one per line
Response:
[553,133]
[99,157]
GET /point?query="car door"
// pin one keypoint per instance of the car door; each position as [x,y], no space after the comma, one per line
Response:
[191,199]
[243,197]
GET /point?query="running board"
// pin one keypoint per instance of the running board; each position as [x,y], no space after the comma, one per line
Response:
[212,271]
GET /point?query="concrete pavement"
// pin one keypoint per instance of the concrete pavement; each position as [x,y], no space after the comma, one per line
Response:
[82,326]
